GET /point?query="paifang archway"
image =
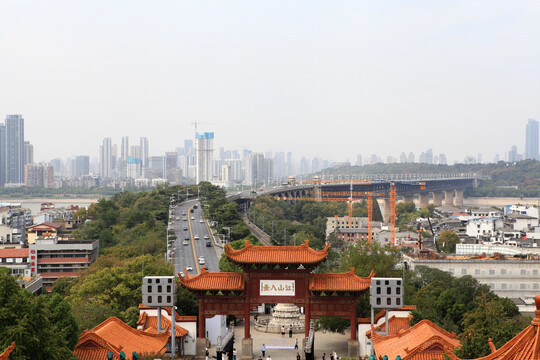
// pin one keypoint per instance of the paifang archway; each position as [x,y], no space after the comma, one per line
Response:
[276,274]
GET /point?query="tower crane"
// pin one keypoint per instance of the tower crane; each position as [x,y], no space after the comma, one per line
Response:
[195,123]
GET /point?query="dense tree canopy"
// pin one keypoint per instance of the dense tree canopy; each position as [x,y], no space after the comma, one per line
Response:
[42,327]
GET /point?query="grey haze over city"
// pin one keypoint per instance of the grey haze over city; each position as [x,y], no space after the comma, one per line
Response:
[331,79]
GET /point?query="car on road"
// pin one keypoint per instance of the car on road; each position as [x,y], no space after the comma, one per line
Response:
[186,238]
[201,220]
[185,242]
[178,218]
[185,228]
[189,268]
[206,237]
[195,206]
[208,244]
[193,218]
[184,219]
[184,213]
[201,261]
[196,237]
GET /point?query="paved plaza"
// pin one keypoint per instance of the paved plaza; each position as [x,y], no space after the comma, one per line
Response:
[324,343]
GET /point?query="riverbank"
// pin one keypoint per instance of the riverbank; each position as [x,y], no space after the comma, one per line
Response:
[499,201]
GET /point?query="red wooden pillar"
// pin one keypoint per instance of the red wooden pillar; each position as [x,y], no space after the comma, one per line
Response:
[354,322]
[247,333]
[202,330]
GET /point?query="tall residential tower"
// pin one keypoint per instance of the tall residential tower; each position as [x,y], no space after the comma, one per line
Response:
[14,149]
[531,140]
[204,156]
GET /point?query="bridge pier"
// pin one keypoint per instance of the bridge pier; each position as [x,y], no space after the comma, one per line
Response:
[437,198]
[458,200]
[423,200]
[408,198]
[386,209]
[449,197]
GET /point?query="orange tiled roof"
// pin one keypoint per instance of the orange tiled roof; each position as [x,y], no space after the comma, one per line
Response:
[523,346]
[213,281]
[5,354]
[382,313]
[149,324]
[423,340]
[14,253]
[301,254]
[179,318]
[395,324]
[114,335]
[340,282]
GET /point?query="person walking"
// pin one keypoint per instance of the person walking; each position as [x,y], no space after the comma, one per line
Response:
[282,331]
[324,356]
[268,357]
[335,355]
[290,331]
[296,343]
[207,353]
[263,349]
[234,354]
[331,356]
[298,357]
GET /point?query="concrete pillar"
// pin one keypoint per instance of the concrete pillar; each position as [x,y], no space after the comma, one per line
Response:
[449,197]
[353,349]
[408,198]
[458,200]
[200,349]
[386,209]
[423,200]
[437,198]
[247,349]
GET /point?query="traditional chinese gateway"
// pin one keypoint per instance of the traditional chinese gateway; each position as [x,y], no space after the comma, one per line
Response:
[276,274]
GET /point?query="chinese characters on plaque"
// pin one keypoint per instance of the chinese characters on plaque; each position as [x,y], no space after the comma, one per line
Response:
[277,288]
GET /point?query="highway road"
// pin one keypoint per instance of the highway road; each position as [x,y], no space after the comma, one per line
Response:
[188,230]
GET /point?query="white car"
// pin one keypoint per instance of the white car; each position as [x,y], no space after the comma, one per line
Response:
[201,220]
[196,237]
[189,268]
[206,237]
[201,261]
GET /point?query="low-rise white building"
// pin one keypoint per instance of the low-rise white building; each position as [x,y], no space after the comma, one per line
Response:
[513,278]
[483,227]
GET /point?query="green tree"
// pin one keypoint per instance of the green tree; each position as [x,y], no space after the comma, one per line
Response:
[497,319]
[29,321]
[447,241]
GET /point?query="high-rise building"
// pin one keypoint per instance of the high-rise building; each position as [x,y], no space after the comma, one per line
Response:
[512,154]
[3,169]
[28,153]
[106,158]
[531,140]
[144,152]
[14,149]
[204,156]
[124,151]
[41,175]
[80,166]
[188,147]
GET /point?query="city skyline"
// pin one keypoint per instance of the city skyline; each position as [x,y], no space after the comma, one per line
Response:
[331,80]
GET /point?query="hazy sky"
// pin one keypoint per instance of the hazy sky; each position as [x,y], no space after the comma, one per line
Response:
[319,78]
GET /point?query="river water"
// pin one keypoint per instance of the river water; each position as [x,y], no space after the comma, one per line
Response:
[35,204]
